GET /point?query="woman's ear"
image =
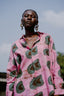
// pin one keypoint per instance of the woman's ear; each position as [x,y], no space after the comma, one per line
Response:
[36,26]
[36,22]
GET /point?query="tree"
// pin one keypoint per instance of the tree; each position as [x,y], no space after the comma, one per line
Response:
[60,60]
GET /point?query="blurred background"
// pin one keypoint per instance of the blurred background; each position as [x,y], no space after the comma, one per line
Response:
[51,21]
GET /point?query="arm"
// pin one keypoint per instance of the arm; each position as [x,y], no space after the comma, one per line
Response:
[55,69]
[11,75]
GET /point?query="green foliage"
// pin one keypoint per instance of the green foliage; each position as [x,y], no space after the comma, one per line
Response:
[60,60]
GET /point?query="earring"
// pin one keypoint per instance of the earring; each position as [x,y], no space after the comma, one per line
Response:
[36,27]
[21,25]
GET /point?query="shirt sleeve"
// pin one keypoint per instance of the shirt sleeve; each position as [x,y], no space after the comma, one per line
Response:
[57,79]
[11,75]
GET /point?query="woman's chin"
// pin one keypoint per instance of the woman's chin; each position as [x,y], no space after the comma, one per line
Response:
[28,26]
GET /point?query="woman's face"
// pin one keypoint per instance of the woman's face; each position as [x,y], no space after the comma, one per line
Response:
[29,19]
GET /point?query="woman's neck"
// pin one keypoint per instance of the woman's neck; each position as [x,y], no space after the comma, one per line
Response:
[29,32]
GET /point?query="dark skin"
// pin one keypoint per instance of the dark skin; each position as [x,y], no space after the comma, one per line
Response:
[29,20]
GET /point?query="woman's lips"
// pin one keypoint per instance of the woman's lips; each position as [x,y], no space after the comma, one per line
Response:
[28,22]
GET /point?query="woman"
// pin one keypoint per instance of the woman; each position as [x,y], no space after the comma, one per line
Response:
[32,68]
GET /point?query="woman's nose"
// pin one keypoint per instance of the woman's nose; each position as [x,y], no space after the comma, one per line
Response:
[29,17]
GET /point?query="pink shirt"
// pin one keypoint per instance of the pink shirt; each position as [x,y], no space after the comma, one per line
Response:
[33,72]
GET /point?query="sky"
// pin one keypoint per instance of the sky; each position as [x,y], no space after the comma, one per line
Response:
[51,21]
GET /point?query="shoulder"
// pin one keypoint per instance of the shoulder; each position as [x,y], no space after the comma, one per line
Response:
[15,42]
[15,45]
[45,35]
[47,38]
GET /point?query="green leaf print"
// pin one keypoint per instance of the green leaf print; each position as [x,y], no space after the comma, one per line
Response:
[36,64]
[31,69]
[34,50]
[50,80]
[19,73]
[48,64]
[47,40]
[39,94]
[36,82]
[19,59]
[51,93]
[13,73]
[28,54]
[11,86]
[53,47]
[19,87]
[14,48]
[46,52]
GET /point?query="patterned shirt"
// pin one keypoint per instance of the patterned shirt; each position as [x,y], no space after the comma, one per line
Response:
[33,71]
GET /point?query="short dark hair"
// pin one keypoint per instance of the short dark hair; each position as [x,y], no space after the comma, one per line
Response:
[30,10]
